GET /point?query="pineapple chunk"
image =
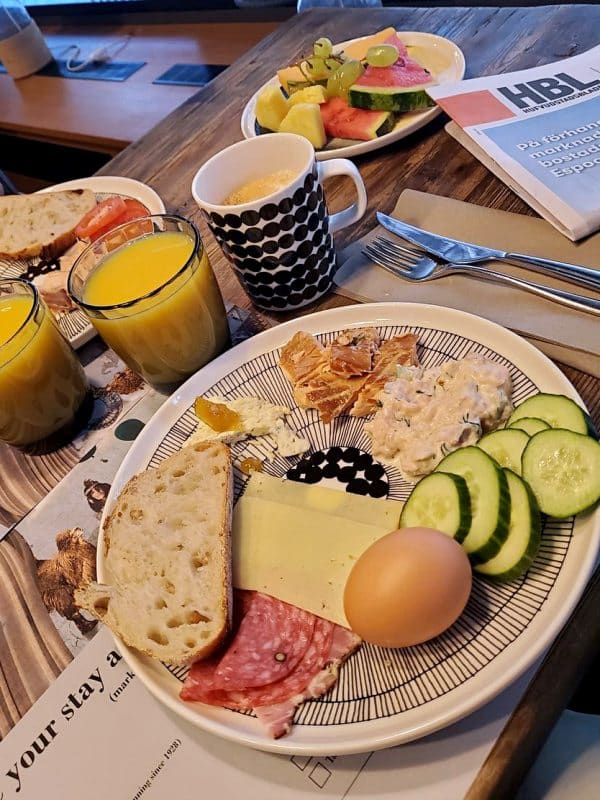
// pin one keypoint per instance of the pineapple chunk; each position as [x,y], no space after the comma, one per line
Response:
[305,120]
[271,108]
[312,94]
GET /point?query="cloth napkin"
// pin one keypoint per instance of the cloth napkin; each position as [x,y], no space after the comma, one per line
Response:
[564,334]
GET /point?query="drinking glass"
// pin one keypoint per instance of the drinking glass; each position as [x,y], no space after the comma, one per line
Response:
[42,383]
[23,49]
[150,292]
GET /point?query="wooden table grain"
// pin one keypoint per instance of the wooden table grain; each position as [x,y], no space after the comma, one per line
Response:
[493,40]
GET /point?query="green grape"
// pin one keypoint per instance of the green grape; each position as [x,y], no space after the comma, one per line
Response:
[382,55]
[332,64]
[343,78]
[349,73]
[315,67]
[334,88]
[323,47]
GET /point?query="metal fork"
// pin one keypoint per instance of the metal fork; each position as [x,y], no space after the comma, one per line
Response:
[412,264]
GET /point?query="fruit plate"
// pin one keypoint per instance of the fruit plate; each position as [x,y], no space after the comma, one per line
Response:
[444,60]
[72,321]
[383,697]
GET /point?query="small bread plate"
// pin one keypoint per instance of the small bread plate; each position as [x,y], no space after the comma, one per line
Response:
[71,320]
[441,57]
[383,697]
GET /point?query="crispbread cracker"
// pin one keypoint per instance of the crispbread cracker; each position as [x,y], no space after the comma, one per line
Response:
[168,557]
[41,225]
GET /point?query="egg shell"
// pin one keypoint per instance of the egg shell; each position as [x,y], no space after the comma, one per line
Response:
[407,587]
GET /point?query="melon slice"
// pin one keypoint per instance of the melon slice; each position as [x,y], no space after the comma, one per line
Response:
[293,79]
[358,50]
[343,122]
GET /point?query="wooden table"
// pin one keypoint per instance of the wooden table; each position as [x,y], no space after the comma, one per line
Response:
[493,40]
[106,116]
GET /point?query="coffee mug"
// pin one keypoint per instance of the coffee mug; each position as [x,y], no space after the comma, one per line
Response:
[263,200]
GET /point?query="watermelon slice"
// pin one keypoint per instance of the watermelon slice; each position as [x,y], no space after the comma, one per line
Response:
[343,122]
[398,44]
[398,88]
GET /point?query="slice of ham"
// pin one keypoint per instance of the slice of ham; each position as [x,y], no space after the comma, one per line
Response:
[249,659]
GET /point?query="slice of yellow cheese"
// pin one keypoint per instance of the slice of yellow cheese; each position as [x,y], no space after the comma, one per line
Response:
[382,513]
[301,550]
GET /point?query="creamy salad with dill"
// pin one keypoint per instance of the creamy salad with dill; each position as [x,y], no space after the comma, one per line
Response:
[427,413]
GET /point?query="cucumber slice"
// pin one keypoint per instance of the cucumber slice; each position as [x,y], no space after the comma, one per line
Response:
[563,470]
[524,533]
[531,425]
[557,410]
[505,447]
[439,501]
[490,500]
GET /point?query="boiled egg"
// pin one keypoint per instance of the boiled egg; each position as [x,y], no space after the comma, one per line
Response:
[407,587]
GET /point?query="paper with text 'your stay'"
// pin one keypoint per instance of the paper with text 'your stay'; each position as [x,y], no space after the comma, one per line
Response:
[97,733]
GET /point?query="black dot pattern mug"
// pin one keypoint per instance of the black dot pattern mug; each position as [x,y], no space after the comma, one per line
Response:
[280,245]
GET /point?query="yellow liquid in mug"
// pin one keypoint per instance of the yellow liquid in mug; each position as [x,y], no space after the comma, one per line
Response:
[42,384]
[170,335]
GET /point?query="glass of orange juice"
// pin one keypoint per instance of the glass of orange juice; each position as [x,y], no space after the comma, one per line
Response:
[42,383]
[151,294]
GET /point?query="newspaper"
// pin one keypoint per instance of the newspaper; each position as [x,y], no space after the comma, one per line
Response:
[538,130]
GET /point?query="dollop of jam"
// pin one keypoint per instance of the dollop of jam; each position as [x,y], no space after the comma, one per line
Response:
[217,415]
[251,464]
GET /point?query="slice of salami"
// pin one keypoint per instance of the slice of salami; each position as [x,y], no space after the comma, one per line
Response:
[278,718]
[313,660]
[271,640]
[344,643]
[200,679]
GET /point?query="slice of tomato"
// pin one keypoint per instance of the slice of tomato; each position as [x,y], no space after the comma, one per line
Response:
[134,210]
[100,218]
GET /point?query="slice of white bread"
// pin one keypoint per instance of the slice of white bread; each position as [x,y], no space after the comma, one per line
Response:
[168,557]
[41,224]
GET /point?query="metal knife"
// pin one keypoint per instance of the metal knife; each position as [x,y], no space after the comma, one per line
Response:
[457,252]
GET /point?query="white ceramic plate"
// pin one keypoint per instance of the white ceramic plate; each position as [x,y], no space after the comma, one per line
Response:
[385,697]
[444,60]
[74,323]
